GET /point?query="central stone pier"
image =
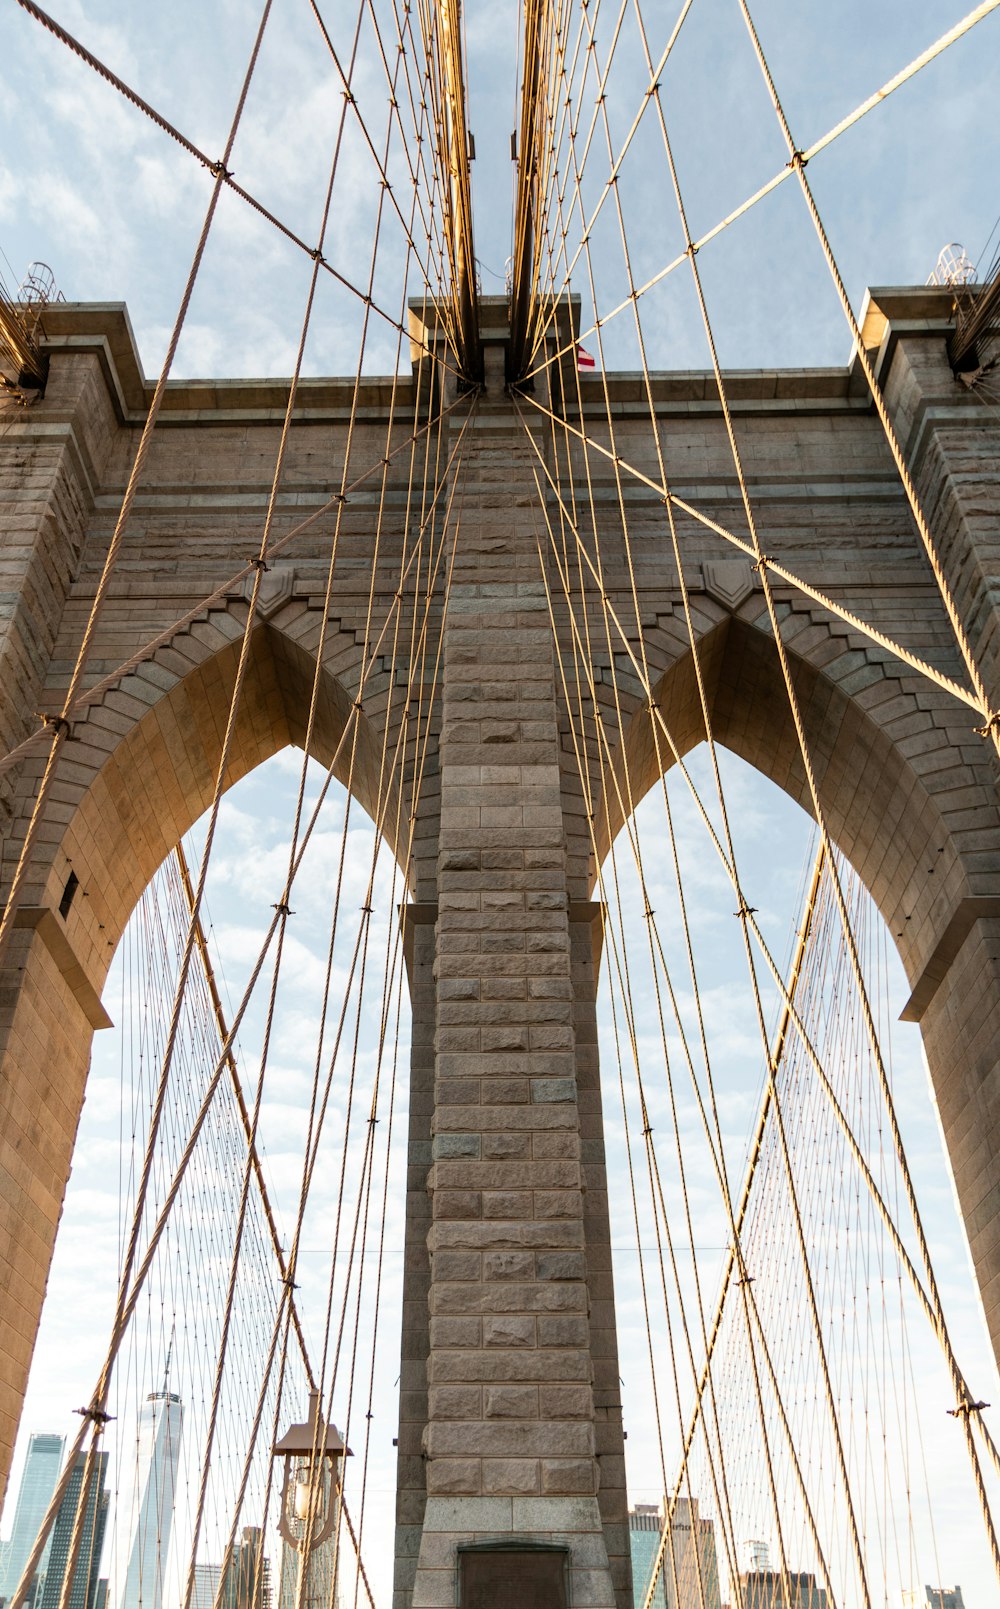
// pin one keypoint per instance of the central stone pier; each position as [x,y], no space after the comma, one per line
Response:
[522,1439]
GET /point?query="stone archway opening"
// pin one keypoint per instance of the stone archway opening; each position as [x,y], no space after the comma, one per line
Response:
[143,771]
[646,1083]
[365,1042]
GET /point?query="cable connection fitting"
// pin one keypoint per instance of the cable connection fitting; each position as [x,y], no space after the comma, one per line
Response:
[990,724]
[366,910]
[218,170]
[96,1416]
[965,1408]
[290,1283]
[797,160]
[283,908]
[761,564]
[59,724]
[745,910]
[358,704]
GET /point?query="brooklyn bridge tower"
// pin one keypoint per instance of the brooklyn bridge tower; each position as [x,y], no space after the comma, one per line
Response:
[498,595]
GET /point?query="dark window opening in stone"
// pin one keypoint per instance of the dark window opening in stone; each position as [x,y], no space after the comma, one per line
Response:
[72,884]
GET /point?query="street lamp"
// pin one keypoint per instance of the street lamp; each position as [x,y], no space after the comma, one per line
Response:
[309,1483]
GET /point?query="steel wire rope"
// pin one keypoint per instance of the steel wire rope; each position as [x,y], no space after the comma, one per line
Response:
[312,1153]
[381,163]
[357,1543]
[777,977]
[735,1258]
[446,92]
[184,1160]
[646,679]
[544,160]
[59,725]
[802,738]
[238,1092]
[234,1268]
[85,700]
[608,768]
[624,809]
[765,952]
[623,973]
[362,946]
[672,501]
[990,716]
[628,1010]
[896,82]
[724,1532]
[336,906]
[218,170]
[362,1566]
[611,181]
[628,806]
[425,106]
[419,124]
[260,565]
[58,735]
[928,1307]
[388,989]
[382,795]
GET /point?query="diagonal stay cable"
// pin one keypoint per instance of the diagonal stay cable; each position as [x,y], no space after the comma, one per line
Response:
[59,725]
[351,100]
[218,169]
[128,1302]
[797,162]
[208,972]
[880,95]
[612,179]
[95,1415]
[93,695]
[856,622]
[929,1297]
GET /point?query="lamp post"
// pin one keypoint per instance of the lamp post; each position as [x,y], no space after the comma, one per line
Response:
[308,1509]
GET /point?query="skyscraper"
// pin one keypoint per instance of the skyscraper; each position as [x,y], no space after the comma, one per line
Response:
[86,1589]
[928,1597]
[762,1587]
[41,1471]
[151,1510]
[246,1583]
[689,1578]
[206,1585]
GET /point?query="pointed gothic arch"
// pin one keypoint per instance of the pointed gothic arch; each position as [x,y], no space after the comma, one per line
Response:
[909,798]
[141,771]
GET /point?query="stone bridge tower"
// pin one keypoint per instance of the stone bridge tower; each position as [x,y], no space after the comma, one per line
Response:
[510,1418]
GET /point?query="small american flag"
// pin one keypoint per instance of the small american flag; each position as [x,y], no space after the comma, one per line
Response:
[583,359]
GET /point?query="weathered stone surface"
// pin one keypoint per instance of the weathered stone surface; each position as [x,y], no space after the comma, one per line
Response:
[505,1112]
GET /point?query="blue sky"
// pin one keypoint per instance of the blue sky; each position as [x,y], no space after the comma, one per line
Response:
[114,207]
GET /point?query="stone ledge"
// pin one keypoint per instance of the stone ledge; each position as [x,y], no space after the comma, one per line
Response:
[41,920]
[960,924]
